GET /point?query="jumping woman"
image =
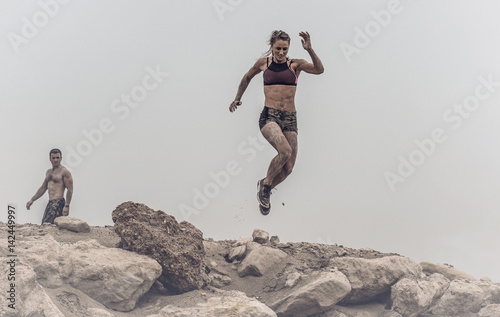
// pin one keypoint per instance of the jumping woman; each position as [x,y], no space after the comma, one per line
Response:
[278,120]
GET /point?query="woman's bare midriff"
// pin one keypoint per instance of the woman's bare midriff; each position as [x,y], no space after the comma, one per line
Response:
[281,97]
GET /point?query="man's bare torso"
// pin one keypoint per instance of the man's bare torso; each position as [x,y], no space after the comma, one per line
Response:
[55,182]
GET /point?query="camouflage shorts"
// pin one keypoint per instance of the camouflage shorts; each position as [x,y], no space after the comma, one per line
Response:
[53,210]
[286,120]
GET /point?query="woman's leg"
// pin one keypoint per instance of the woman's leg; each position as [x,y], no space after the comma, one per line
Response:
[286,170]
[273,134]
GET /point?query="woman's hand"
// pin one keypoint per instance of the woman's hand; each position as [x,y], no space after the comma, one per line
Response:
[306,40]
[234,105]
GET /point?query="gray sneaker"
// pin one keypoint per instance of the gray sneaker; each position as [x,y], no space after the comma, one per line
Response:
[264,194]
[263,210]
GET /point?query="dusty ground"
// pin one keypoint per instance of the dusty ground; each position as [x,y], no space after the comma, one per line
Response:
[304,257]
[104,235]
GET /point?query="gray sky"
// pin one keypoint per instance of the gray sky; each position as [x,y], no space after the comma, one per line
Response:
[397,139]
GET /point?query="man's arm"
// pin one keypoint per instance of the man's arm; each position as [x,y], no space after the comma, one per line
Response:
[68,184]
[39,193]
[256,68]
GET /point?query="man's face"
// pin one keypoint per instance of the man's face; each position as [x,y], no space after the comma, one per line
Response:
[55,159]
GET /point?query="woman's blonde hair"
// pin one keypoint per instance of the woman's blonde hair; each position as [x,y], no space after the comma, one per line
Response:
[276,35]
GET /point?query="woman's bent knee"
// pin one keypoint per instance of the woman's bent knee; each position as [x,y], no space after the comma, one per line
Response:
[285,154]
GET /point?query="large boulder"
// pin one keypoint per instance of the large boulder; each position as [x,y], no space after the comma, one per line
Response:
[24,296]
[72,224]
[224,304]
[461,298]
[47,258]
[447,271]
[370,278]
[410,297]
[178,247]
[259,259]
[491,291]
[113,277]
[319,295]
[492,310]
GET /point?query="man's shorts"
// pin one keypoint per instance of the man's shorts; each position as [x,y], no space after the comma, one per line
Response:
[53,210]
[286,120]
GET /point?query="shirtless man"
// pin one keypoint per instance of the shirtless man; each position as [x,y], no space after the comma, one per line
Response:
[57,179]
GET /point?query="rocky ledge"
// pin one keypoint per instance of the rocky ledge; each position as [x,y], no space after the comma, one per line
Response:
[150,265]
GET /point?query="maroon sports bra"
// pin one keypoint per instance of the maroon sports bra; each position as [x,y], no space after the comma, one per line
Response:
[279,74]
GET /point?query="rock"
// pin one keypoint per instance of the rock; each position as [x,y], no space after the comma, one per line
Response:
[237,253]
[367,250]
[372,277]
[68,279]
[113,277]
[259,260]
[492,310]
[178,247]
[491,292]
[72,302]
[275,240]
[72,224]
[97,312]
[242,241]
[448,272]
[317,296]
[260,236]
[332,313]
[292,279]
[219,280]
[462,297]
[229,304]
[341,252]
[30,298]
[364,310]
[45,256]
[410,297]
[390,313]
